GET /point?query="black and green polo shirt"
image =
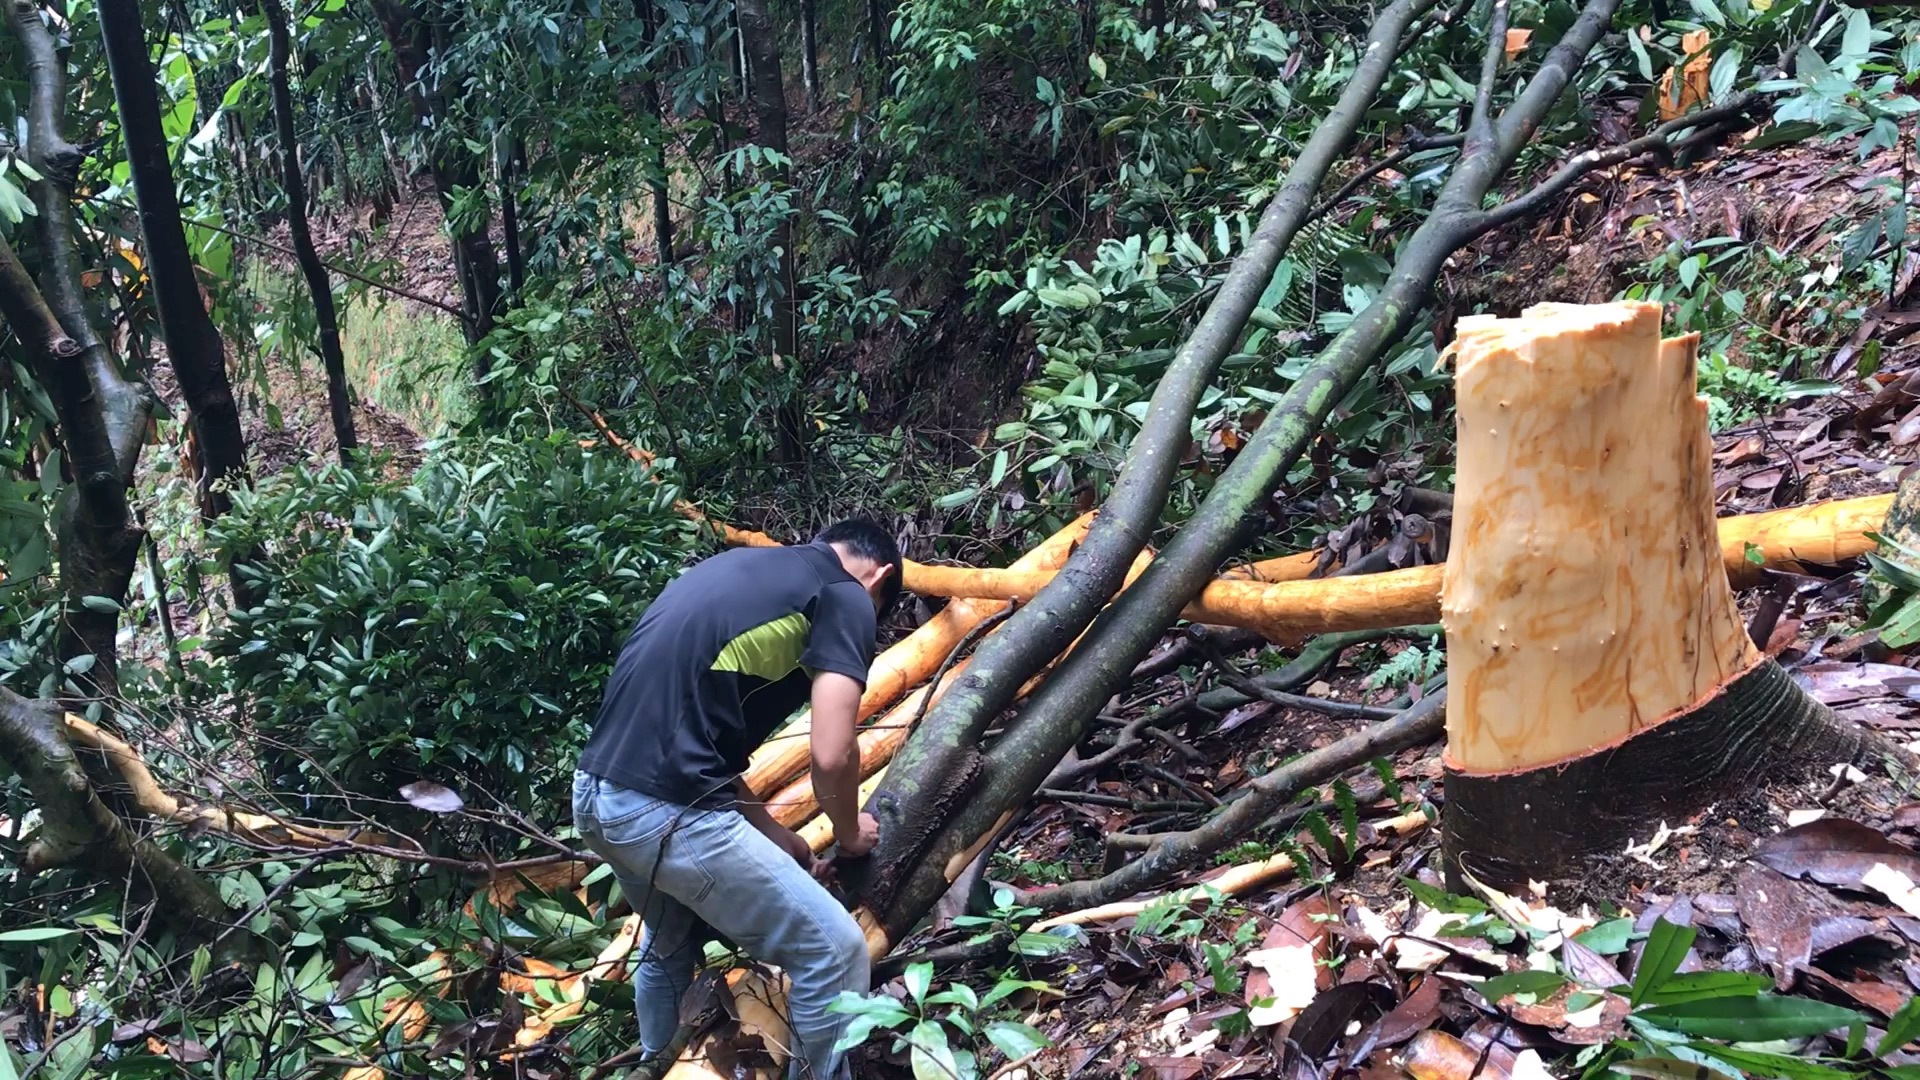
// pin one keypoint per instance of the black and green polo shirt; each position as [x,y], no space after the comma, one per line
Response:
[723,656]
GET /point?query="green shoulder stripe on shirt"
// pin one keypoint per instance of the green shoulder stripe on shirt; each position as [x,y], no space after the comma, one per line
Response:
[771,650]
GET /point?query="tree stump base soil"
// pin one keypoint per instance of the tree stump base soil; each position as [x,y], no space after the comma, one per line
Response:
[1551,823]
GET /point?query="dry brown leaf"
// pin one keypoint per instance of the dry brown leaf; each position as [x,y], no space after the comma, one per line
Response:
[1779,918]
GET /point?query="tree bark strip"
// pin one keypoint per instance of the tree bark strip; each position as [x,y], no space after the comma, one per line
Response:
[332,357]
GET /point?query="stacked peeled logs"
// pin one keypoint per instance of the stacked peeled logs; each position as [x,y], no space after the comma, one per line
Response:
[1600,678]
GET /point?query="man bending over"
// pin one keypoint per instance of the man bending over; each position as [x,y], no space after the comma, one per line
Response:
[725,654]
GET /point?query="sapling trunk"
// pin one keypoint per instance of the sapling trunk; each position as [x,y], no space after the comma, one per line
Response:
[293,178]
[944,746]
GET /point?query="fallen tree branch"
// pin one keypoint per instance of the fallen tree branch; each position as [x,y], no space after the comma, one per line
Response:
[1121,802]
[77,829]
[1314,658]
[1828,533]
[1418,144]
[152,799]
[1423,722]
[1232,677]
[1367,791]
[1233,881]
[1348,710]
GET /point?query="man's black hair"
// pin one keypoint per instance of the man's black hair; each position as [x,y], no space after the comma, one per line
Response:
[865,538]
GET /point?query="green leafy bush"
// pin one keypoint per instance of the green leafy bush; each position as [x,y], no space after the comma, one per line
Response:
[458,625]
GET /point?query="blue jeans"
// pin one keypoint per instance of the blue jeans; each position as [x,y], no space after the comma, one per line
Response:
[675,864]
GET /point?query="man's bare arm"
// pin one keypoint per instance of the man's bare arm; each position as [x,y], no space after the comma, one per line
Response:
[751,807]
[836,760]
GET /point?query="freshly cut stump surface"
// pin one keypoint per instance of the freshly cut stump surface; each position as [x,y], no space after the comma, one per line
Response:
[1600,678]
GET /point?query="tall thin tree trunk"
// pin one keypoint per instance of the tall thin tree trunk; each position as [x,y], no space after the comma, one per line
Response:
[193,342]
[738,56]
[658,177]
[510,225]
[396,165]
[810,53]
[454,168]
[770,108]
[339,399]
[877,39]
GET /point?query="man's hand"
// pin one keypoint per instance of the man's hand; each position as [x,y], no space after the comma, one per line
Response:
[866,835]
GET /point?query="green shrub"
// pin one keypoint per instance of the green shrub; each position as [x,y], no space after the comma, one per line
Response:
[457,626]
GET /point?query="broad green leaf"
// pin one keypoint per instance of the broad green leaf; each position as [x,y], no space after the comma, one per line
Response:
[1762,1063]
[931,1057]
[1701,985]
[1751,1019]
[1521,982]
[1030,943]
[36,933]
[1857,42]
[1016,1040]
[958,994]
[1440,900]
[869,1013]
[1655,1067]
[1725,73]
[1640,55]
[918,978]
[1667,945]
[1063,298]
[1609,937]
[1902,1028]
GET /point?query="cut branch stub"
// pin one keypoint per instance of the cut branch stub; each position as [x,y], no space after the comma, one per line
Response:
[1600,677]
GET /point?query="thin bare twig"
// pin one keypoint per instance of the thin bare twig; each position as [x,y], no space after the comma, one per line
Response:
[1417,144]
[331,267]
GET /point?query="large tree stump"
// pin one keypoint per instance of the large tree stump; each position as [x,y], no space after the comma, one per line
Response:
[1600,677]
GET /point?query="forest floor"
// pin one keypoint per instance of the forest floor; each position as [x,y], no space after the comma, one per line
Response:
[1387,983]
